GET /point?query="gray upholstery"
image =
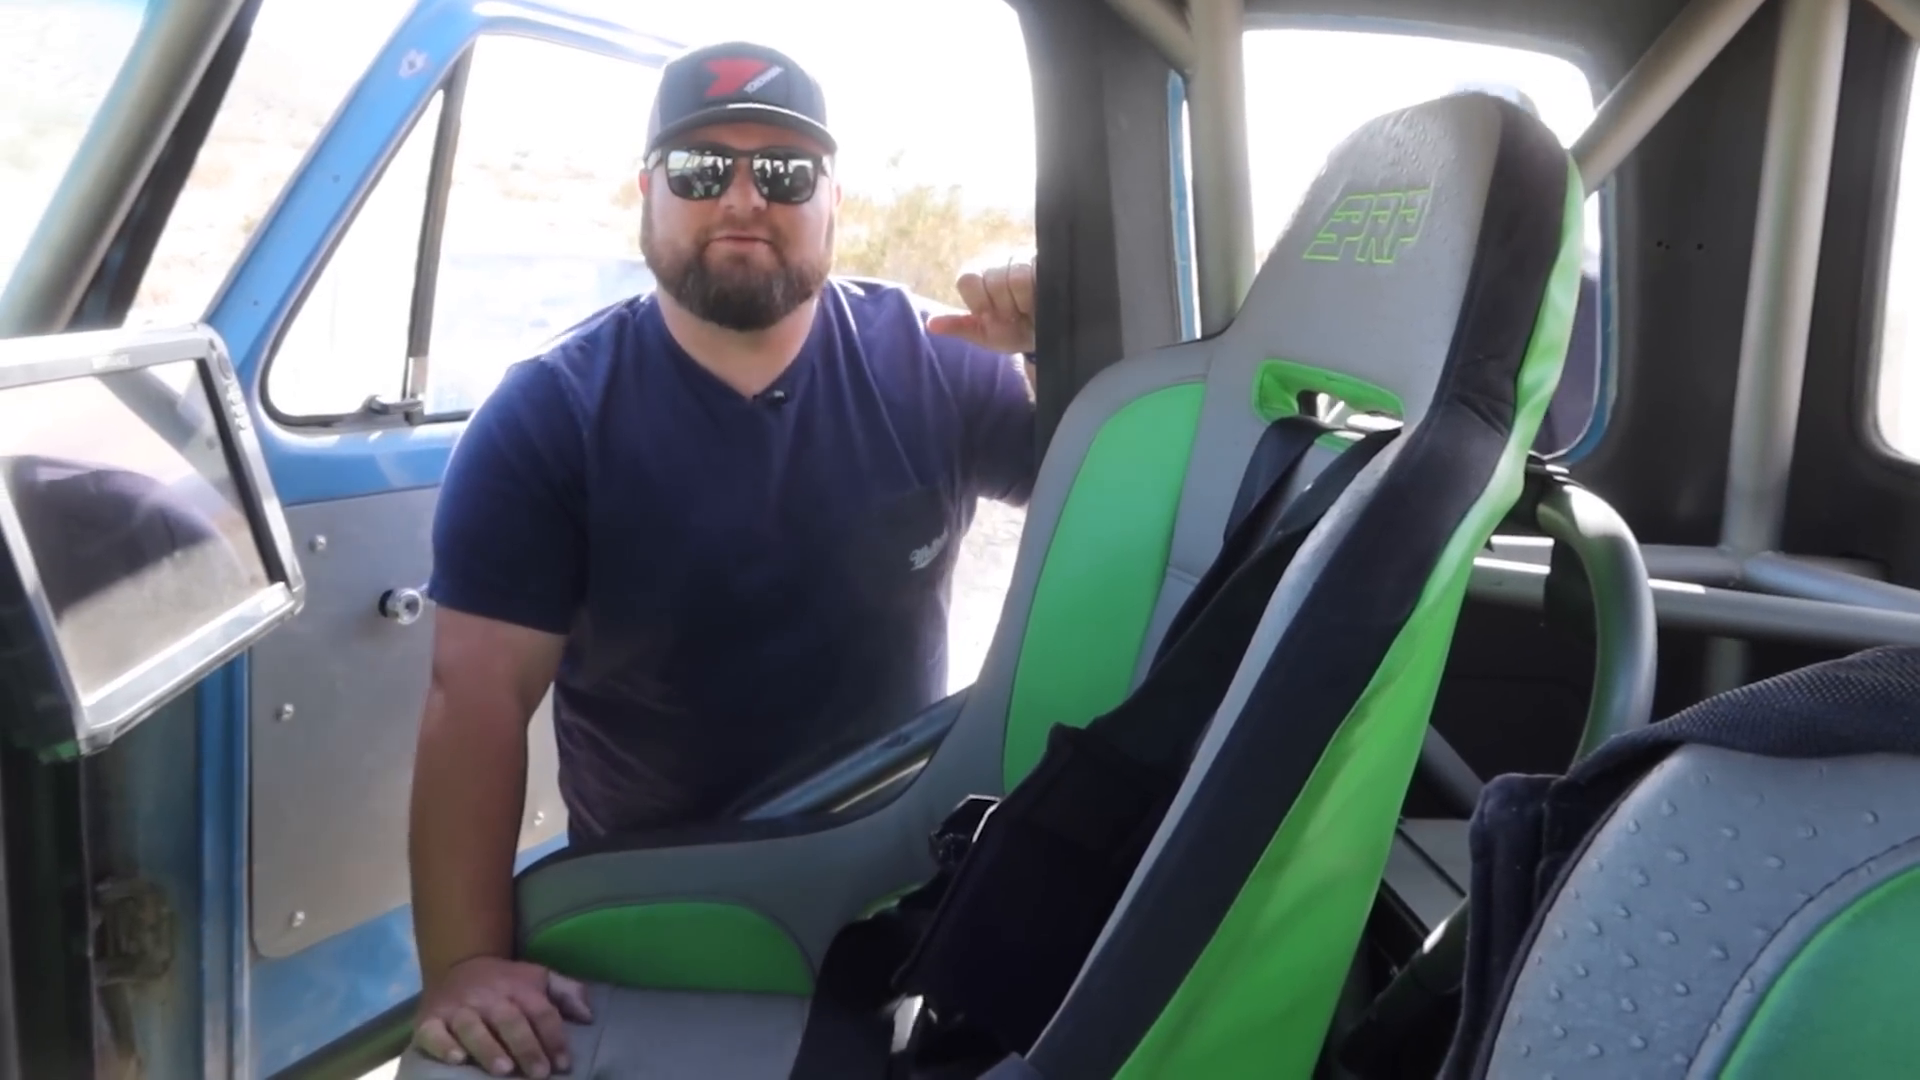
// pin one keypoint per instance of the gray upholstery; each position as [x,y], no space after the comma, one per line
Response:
[659,1035]
[813,884]
[1705,880]
[1302,310]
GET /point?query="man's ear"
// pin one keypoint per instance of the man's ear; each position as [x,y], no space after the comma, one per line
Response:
[645,180]
[837,193]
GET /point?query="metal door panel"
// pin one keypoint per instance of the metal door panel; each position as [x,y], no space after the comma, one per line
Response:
[309,814]
[334,711]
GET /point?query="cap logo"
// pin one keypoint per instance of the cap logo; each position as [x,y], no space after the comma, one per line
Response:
[738,75]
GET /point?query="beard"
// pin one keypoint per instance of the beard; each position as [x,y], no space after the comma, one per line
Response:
[733,293]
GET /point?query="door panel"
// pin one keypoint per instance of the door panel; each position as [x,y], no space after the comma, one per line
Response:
[316,803]
[337,696]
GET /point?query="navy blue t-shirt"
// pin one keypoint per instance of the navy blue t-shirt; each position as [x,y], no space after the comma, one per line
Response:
[749,586]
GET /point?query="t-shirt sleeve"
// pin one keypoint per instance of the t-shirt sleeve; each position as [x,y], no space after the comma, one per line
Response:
[508,538]
[996,416]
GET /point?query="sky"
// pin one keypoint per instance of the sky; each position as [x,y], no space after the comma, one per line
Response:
[941,83]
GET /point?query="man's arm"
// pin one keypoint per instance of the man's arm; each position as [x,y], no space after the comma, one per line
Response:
[469,784]
[508,578]
[995,395]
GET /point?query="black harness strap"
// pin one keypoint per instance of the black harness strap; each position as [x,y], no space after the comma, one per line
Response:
[855,992]
[1255,514]
[1021,911]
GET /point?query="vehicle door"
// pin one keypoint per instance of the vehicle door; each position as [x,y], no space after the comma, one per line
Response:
[474,195]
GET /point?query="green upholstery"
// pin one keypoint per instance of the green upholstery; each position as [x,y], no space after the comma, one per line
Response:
[1095,598]
[1431,276]
[1253,985]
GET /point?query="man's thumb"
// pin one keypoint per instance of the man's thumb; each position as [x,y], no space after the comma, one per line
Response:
[960,326]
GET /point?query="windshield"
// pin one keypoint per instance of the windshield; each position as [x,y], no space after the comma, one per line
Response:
[58,58]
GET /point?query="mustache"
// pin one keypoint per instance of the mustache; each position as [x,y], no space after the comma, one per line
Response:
[739,232]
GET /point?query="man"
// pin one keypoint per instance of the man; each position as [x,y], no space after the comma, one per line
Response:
[720,521]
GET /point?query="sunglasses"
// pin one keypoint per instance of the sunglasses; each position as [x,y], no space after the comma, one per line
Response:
[788,177]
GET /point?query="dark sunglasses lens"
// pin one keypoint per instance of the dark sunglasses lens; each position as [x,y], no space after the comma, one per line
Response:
[698,174]
[785,178]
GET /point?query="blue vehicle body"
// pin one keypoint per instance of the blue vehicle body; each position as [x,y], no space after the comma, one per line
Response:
[224,1009]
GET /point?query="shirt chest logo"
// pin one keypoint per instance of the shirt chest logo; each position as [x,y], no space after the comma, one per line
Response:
[922,557]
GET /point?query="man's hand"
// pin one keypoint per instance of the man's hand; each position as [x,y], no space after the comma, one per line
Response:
[999,309]
[501,1015]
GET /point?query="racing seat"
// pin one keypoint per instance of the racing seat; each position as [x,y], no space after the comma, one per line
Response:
[1733,892]
[1429,277]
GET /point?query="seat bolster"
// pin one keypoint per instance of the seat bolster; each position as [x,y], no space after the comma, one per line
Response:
[659,1035]
[1706,881]
[773,903]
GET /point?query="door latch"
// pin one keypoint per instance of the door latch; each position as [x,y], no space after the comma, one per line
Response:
[404,606]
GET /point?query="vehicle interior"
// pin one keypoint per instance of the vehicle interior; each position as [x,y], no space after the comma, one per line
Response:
[1424,448]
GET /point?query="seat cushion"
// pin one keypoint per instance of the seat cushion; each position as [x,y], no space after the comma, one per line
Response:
[668,1035]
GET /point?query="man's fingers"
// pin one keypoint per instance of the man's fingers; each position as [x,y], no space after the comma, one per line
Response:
[433,1039]
[973,292]
[509,1022]
[1020,287]
[571,996]
[999,289]
[548,1028]
[485,1050]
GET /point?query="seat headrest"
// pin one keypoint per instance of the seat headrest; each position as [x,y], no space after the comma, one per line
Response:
[1390,263]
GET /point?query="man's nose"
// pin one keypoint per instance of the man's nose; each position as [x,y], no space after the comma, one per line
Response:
[743,194]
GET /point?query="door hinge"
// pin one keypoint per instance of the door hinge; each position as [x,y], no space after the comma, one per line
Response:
[133,931]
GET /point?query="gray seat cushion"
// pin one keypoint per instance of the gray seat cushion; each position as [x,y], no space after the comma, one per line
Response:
[668,1035]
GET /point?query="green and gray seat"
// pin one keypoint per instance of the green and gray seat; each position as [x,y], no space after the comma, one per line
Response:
[1430,275]
[1746,904]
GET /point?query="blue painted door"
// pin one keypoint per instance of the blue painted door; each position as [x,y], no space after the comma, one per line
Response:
[472,196]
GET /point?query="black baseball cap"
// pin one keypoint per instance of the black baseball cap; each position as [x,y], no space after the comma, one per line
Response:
[737,82]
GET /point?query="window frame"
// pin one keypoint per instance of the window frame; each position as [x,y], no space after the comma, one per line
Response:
[409,409]
[1883,215]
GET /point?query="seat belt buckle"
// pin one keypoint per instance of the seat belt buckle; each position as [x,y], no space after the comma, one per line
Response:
[953,837]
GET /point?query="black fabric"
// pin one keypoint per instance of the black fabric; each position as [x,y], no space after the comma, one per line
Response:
[1037,885]
[1347,622]
[1261,498]
[1013,1068]
[1529,830]
[857,976]
[1279,452]
[736,82]
[849,1029]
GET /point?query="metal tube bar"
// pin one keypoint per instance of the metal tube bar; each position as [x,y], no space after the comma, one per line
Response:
[127,134]
[1783,575]
[1786,250]
[1703,609]
[1165,26]
[1222,187]
[1794,172]
[1624,631]
[1699,565]
[1904,14]
[1677,57]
